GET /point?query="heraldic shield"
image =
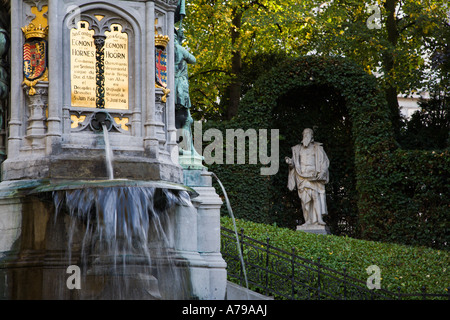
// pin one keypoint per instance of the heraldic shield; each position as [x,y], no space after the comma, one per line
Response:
[161,67]
[34,59]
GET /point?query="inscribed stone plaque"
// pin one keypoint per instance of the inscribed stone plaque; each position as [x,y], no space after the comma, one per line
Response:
[82,51]
[83,67]
[116,68]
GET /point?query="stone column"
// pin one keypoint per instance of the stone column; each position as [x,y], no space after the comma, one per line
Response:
[151,143]
[160,116]
[17,101]
[37,105]
[54,130]
[208,232]
[185,244]
[170,106]
[208,236]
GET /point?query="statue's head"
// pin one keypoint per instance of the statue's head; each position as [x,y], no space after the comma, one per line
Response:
[179,35]
[308,137]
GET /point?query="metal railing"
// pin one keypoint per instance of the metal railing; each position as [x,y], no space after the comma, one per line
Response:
[285,275]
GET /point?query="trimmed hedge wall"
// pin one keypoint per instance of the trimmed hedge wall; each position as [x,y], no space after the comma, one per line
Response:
[398,195]
[409,202]
[406,267]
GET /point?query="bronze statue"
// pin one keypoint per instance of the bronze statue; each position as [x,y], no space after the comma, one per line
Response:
[4,81]
[183,119]
[4,76]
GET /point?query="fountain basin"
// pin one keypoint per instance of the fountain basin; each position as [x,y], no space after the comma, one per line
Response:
[117,232]
[89,163]
[47,186]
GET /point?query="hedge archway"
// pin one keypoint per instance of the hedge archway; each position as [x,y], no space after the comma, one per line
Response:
[371,128]
[324,109]
[366,104]
[389,194]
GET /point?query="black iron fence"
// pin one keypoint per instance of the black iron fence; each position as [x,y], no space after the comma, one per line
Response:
[285,275]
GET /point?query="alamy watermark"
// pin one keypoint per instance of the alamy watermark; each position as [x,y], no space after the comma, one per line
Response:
[374,279]
[374,21]
[74,280]
[262,149]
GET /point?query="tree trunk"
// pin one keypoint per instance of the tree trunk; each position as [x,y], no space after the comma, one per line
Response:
[234,89]
[388,63]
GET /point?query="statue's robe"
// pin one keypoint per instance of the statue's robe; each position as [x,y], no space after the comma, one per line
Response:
[4,76]
[307,185]
[182,59]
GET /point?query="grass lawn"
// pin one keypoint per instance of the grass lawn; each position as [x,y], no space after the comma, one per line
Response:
[402,266]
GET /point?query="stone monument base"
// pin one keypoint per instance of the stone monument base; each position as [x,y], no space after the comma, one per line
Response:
[314,228]
[190,160]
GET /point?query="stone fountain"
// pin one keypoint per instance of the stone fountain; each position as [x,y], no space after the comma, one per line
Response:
[78,72]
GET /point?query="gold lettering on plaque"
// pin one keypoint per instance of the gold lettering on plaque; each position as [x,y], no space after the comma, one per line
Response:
[83,67]
[116,68]
[82,53]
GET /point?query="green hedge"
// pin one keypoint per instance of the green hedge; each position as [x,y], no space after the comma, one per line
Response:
[385,187]
[406,267]
[409,201]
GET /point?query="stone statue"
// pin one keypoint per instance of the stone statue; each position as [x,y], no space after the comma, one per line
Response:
[308,171]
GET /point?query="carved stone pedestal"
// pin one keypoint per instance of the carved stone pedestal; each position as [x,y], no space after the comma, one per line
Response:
[314,228]
[37,105]
[198,239]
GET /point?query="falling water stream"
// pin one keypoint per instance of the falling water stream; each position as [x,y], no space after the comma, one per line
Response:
[120,233]
[108,151]
[230,211]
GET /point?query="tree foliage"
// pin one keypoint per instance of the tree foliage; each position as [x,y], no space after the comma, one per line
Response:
[224,36]
[429,127]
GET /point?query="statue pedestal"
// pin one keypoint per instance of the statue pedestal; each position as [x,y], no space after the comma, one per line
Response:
[190,160]
[314,228]
[197,237]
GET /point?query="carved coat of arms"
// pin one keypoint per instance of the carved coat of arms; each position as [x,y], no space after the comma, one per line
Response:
[161,67]
[34,59]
